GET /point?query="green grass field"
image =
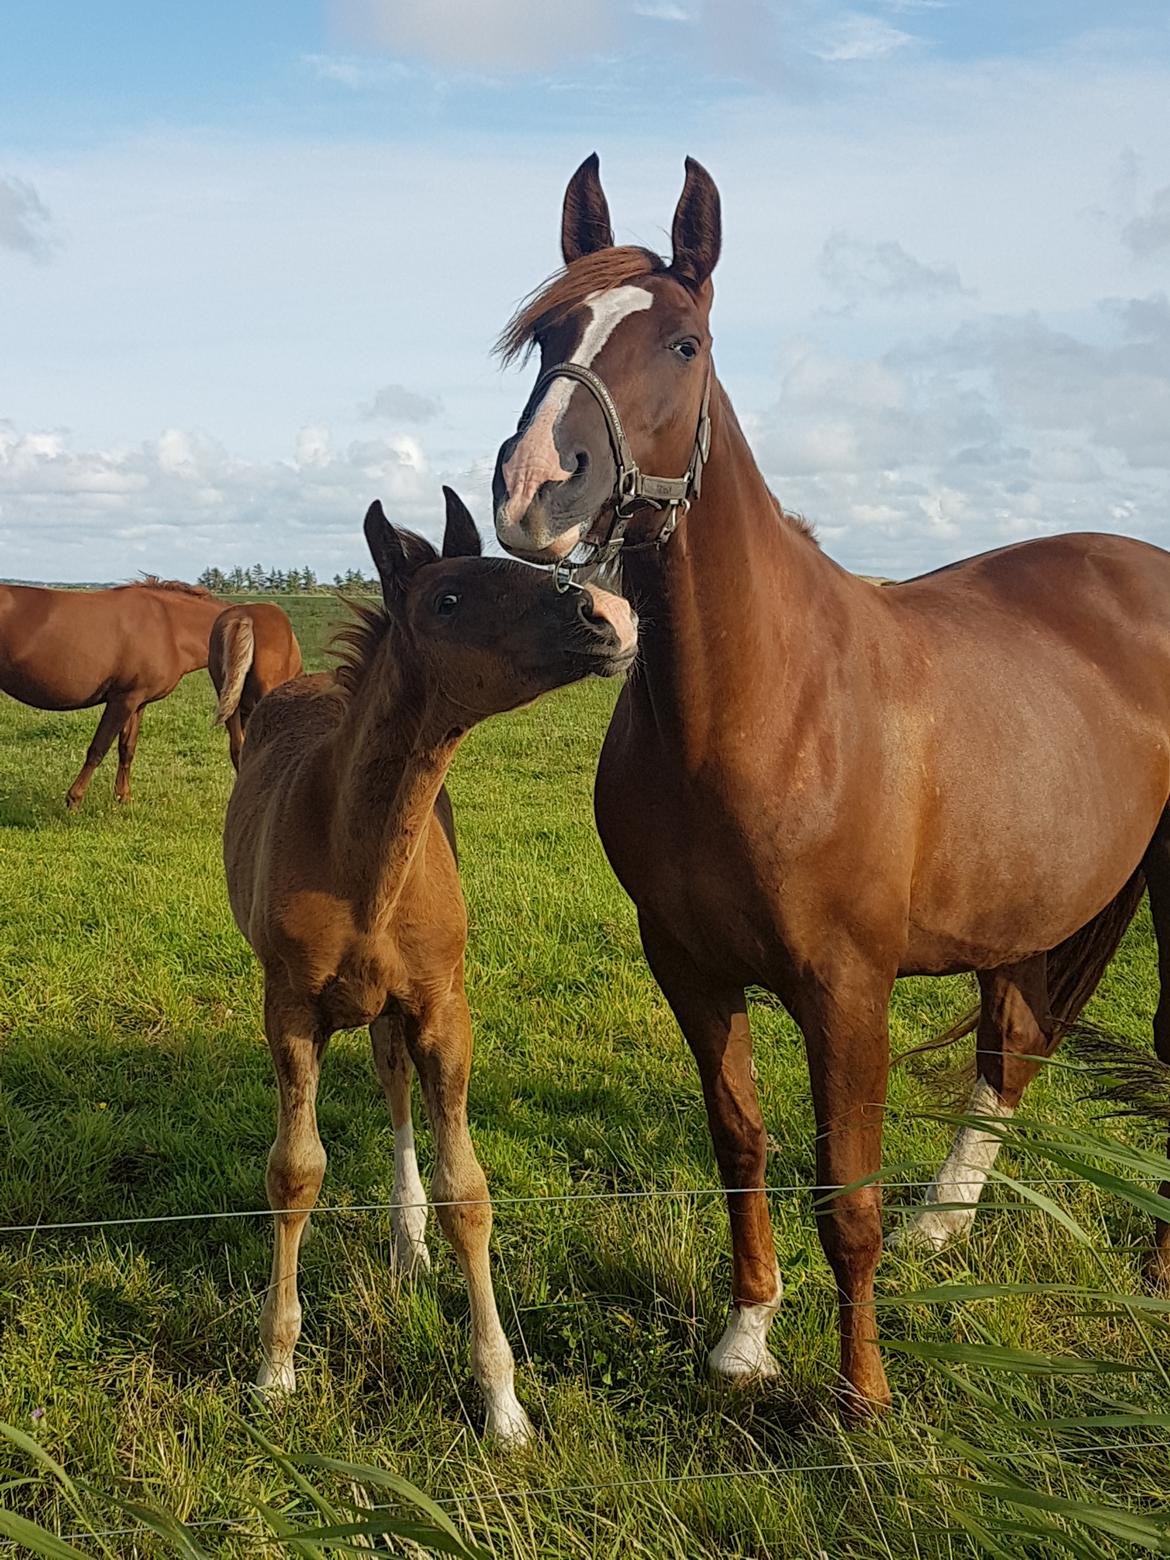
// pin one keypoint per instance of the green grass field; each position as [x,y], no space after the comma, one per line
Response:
[134,1081]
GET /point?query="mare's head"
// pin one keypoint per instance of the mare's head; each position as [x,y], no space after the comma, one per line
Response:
[639,325]
[485,635]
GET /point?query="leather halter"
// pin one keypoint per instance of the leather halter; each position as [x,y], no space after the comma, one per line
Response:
[633,488]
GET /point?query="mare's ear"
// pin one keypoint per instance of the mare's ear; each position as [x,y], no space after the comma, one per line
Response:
[585,224]
[396,554]
[460,538]
[696,234]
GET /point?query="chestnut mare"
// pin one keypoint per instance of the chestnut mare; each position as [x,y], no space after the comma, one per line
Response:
[125,648]
[814,785]
[252,650]
[340,856]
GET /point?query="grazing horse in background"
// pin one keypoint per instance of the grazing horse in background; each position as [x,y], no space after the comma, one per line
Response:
[252,650]
[816,786]
[340,854]
[125,648]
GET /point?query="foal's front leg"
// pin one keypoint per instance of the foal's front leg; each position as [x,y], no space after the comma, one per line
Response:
[296,1168]
[442,1053]
[715,1024]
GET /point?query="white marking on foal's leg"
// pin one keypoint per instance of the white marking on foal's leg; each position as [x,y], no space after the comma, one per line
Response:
[410,1222]
[960,1178]
[742,1354]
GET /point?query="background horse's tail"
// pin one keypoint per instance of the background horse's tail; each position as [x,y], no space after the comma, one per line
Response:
[229,660]
[1075,967]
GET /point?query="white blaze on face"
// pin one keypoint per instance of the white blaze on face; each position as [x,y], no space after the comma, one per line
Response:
[536,459]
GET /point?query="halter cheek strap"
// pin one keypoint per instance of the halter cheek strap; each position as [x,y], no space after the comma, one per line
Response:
[633,489]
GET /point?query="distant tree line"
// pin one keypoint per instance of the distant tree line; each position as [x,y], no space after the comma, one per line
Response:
[286,582]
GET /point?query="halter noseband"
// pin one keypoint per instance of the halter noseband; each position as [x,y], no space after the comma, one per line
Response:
[633,489]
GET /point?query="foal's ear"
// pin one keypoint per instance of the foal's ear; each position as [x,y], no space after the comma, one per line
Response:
[396,554]
[460,538]
[696,234]
[585,224]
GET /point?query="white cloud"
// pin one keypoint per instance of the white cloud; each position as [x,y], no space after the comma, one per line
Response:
[25,221]
[507,35]
[397,404]
[857,36]
[182,501]
[857,268]
[1148,233]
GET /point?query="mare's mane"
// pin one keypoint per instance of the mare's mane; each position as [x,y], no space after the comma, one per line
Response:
[568,288]
[152,582]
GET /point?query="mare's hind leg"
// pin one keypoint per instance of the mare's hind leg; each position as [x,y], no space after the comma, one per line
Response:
[1157,869]
[1015,1034]
[715,1024]
[127,743]
[395,1071]
[441,1047]
[296,1168]
[114,717]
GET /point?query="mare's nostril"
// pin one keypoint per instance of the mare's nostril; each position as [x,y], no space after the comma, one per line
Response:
[582,463]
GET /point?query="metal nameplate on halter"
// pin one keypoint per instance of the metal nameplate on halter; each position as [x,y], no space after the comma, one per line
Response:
[668,490]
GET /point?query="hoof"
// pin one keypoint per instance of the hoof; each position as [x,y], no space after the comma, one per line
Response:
[274,1383]
[862,1405]
[412,1260]
[72,803]
[929,1232]
[742,1356]
[508,1425]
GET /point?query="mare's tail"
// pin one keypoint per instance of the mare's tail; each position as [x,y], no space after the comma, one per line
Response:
[229,661]
[1075,967]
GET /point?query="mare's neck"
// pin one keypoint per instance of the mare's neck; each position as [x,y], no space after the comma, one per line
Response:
[388,760]
[729,606]
[191,619]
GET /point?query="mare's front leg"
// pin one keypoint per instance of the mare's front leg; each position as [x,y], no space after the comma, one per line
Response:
[127,745]
[114,717]
[715,1024]
[846,1029]
[296,1168]
[395,1072]
[441,1047]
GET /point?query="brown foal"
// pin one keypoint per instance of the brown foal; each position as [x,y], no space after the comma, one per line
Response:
[124,648]
[340,857]
[816,786]
[252,650]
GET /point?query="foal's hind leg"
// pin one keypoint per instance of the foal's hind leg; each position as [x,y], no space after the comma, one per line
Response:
[296,1168]
[127,743]
[395,1071]
[442,1053]
[114,717]
[1015,1034]
[1157,869]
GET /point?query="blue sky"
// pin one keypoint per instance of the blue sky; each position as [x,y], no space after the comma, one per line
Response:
[253,256]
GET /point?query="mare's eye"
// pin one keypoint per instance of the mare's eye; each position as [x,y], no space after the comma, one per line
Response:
[446,603]
[687,348]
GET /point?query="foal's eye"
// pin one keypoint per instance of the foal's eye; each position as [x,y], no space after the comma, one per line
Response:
[687,348]
[446,603]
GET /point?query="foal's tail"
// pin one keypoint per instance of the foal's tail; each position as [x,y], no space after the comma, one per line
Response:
[230,656]
[1075,967]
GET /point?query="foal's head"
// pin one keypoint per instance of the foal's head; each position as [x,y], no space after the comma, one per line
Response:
[641,327]
[485,635]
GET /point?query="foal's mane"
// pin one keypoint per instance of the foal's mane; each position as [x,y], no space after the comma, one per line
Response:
[354,646]
[152,582]
[568,288]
